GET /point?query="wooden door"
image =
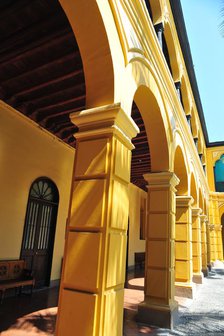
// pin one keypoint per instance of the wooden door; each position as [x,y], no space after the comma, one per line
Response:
[39,230]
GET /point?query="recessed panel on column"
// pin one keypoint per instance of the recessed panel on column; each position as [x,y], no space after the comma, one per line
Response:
[158,200]
[91,157]
[122,161]
[158,226]
[181,214]
[89,192]
[157,252]
[195,248]
[182,270]
[77,309]
[116,259]
[182,232]
[156,286]
[82,262]
[119,206]
[114,302]
[195,234]
[182,250]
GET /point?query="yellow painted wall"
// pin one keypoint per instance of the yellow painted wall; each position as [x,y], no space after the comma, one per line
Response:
[136,200]
[26,153]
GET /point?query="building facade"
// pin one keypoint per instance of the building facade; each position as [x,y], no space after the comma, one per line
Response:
[102,132]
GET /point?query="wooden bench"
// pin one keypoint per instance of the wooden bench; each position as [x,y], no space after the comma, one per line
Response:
[140,259]
[13,274]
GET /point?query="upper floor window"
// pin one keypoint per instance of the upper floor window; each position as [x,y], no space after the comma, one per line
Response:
[219,174]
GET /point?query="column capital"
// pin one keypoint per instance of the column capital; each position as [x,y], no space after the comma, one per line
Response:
[162,179]
[204,218]
[108,119]
[184,200]
[218,227]
[211,227]
[196,211]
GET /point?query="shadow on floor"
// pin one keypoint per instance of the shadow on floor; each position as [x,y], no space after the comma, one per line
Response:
[14,308]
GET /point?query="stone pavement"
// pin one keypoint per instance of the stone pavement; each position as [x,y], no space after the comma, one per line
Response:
[202,316]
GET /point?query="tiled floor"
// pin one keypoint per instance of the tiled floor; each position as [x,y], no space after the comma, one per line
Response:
[36,315]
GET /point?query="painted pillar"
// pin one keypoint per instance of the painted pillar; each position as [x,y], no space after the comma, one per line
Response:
[219,242]
[159,307]
[196,246]
[204,244]
[213,223]
[184,285]
[212,242]
[208,228]
[92,286]
[218,230]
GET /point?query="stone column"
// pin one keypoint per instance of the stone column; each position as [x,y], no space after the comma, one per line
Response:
[196,246]
[184,285]
[159,307]
[92,286]
[204,244]
[208,245]
[212,242]
[218,229]
[214,221]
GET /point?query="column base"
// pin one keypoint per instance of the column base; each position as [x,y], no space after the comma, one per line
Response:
[198,278]
[186,290]
[205,271]
[158,315]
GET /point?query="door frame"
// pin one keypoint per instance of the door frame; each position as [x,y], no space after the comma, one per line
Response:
[53,219]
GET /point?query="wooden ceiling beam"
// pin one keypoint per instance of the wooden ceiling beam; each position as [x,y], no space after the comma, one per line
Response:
[62,96]
[32,73]
[43,88]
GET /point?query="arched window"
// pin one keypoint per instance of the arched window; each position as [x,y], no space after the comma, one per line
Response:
[219,174]
[39,229]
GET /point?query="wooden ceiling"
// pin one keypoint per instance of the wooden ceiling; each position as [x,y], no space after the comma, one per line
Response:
[41,72]
[141,162]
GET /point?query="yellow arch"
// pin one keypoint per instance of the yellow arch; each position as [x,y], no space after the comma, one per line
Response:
[201,200]
[194,190]
[89,29]
[146,92]
[181,171]
[172,51]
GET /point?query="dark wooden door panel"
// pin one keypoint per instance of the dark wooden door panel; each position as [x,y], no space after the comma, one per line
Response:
[39,230]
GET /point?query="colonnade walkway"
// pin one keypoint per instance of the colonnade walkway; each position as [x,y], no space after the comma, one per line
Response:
[202,316]
[36,315]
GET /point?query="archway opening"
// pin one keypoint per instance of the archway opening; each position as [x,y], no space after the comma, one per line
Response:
[154,128]
[150,155]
